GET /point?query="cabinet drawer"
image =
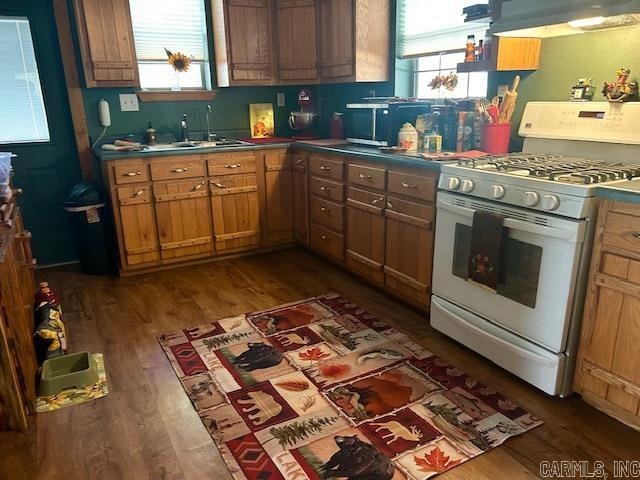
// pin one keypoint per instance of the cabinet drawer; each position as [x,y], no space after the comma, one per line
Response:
[323,167]
[410,185]
[326,213]
[327,189]
[368,176]
[622,231]
[130,172]
[133,194]
[327,242]
[231,164]
[370,201]
[183,166]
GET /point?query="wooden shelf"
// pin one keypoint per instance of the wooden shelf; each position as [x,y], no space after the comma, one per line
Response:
[478,66]
[181,96]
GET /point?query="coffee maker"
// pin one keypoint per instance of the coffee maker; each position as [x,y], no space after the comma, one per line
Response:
[303,121]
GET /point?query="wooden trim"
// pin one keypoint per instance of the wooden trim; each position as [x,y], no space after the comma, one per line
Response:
[612,410]
[364,260]
[403,218]
[185,243]
[181,96]
[233,236]
[612,379]
[622,286]
[402,278]
[74,92]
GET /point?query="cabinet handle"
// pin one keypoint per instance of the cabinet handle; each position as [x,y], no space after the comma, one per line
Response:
[323,167]
[323,189]
[324,237]
[635,235]
[219,185]
[389,205]
[179,170]
[378,200]
[139,192]
[198,187]
[325,210]
[131,174]
[299,161]
[407,185]
[364,175]
[233,165]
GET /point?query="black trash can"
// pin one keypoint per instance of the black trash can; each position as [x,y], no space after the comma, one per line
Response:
[88,216]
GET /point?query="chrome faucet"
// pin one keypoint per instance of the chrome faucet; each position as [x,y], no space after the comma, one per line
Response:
[184,130]
[211,136]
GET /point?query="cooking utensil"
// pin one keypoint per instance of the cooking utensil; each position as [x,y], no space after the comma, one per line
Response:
[494,112]
[509,101]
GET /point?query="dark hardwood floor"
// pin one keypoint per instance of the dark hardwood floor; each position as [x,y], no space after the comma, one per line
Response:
[146,426]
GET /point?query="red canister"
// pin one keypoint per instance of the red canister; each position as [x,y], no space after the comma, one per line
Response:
[336,126]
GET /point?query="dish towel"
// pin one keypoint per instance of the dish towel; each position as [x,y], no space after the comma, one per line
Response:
[487,238]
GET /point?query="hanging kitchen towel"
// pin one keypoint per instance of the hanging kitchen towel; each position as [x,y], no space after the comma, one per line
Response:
[487,237]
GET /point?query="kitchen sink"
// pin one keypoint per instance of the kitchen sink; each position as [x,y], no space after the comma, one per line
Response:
[195,145]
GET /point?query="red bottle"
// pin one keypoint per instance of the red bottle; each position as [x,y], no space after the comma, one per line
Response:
[336,126]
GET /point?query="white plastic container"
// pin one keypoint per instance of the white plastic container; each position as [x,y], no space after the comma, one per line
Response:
[408,138]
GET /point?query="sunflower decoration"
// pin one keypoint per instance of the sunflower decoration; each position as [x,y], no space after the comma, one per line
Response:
[178,60]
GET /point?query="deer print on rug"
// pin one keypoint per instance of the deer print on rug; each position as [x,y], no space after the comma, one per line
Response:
[261,406]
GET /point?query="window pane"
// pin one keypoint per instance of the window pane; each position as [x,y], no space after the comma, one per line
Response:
[160,75]
[478,84]
[22,114]
[431,62]
[451,60]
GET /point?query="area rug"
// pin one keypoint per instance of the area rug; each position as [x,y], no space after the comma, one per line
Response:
[321,389]
[76,396]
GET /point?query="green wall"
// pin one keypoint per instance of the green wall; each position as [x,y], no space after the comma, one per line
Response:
[564,60]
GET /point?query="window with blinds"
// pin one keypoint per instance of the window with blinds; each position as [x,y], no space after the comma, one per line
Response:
[434,35]
[178,27]
[22,114]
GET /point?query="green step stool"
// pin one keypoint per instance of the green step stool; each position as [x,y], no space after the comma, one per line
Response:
[75,370]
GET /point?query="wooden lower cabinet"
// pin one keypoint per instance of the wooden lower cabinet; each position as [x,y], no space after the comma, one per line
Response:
[409,249]
[184,221]
[278,179]
[607,373]
[365,248]
[137,225]
[235,206]
[300,197]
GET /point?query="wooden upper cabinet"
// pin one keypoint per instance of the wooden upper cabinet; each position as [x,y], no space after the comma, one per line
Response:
[106,43]
[243,41]
[295,24]
[354,40]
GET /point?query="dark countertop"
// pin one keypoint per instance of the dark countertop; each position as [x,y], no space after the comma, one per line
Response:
[350,150]
[622,192]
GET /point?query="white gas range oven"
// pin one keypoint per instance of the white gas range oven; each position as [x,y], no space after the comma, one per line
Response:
[530,325]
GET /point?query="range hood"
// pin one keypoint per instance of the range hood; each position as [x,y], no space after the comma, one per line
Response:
[554,18]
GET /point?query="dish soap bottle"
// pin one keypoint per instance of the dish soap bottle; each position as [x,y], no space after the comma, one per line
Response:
[408,138]
[150,135]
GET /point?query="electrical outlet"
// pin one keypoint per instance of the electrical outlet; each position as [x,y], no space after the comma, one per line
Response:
[372,93]
[280,97]
[502,90]
[129,102]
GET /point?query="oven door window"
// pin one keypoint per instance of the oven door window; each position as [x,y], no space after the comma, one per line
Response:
[520,266]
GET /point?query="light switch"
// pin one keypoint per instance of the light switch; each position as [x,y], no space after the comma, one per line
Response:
[502,90]
[129,102]
[280,97]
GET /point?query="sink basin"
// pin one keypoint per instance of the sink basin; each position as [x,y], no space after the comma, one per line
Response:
[195,145]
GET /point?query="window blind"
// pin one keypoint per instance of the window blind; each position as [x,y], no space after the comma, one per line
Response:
[429,26]
[176,26]
[22,114]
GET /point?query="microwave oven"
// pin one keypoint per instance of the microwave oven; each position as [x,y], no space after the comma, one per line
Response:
[377,123]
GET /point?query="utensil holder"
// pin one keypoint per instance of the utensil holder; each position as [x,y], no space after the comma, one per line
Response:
[495,138]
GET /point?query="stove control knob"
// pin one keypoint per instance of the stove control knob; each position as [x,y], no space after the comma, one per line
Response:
[467,186]
[531,199]
[454,183]
[497,191]
[550,202]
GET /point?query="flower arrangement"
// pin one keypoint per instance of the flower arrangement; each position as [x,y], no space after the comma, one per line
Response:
[178,60]
[449,82]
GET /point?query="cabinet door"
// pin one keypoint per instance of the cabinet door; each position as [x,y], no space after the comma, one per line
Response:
[106,43]
[300,203]
[336,38]
[366,234]
[296,37]
[184,223]
[409,249]
[279,191]
[139,242]
[249,41]
[235,208]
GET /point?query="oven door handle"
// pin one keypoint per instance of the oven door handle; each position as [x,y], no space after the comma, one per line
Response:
[560,233]
[518,350]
